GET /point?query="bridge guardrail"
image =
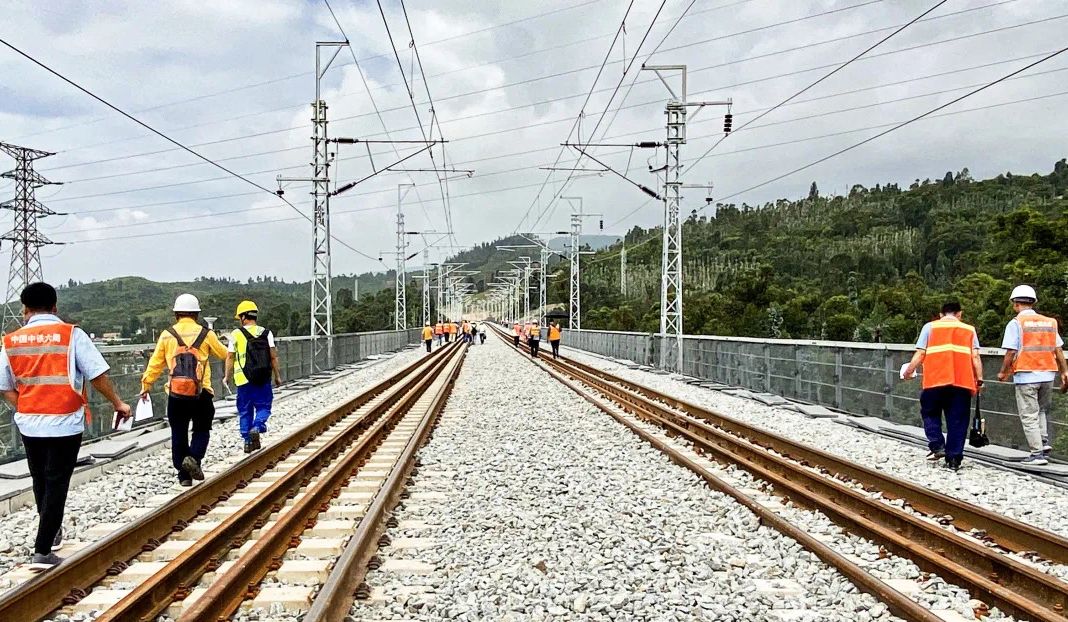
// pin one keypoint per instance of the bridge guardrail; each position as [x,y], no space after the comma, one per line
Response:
[858,378]
[128,363]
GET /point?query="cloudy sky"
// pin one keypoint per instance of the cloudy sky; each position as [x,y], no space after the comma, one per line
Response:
[234,80]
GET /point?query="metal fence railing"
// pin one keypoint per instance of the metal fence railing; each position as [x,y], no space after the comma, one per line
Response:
[128,363]
[858,378]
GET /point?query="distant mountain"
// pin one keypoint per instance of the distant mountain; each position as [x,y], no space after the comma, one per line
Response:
[594,242]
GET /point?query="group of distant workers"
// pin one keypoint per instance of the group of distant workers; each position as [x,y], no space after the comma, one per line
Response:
[531,333]
[47,365]
[948,350]
[448,332]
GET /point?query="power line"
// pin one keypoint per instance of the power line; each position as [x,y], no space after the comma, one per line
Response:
[164,136]
[821,78]
[569,72]
[305,74]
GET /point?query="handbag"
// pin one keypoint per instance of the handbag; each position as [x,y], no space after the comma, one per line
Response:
[977,435]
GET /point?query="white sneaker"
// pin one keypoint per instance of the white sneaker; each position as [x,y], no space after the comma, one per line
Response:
[1035,460]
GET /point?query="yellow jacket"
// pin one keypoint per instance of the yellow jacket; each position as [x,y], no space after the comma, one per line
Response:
[165,347]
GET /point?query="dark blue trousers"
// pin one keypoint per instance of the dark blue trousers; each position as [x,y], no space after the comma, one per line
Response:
[955,404]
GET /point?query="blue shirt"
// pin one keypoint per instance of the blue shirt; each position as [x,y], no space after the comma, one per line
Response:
[86,363]
[925,336]
[1012,342]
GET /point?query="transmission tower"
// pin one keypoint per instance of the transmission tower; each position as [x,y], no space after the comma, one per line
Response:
[623,270]
[671,253]
[26,240]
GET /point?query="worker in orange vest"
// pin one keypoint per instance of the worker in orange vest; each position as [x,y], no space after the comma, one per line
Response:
[554,338]
[534,338]
[44,368]
[516,331]
[439,333]
[450,330]
[1033,357]
[948,349]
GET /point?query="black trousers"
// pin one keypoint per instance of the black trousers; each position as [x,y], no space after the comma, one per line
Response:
[534,347]
[482,337]
[515,339]
[428,342]
[181,412]
[555,343]
[51,461]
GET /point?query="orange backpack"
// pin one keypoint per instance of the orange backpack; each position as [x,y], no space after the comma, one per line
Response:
[187,367]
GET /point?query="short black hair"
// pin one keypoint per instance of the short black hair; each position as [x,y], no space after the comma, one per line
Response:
[951,307]
[39,297]
[249,315]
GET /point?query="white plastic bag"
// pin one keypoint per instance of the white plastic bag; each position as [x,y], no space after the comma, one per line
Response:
[143,410]
[902,372]
[122,426]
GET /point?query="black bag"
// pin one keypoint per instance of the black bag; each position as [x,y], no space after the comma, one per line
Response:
[977,435]
[257,366]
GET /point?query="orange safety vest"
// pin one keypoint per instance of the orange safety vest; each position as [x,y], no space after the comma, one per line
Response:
[40,361]
[535,331]
[1038,343]
[450,328]
[516,329]
[948,360]
[438,329]
[554,333]
[467,328]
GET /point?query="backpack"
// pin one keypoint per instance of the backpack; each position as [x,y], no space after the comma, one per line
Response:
[187,367]
[257,366]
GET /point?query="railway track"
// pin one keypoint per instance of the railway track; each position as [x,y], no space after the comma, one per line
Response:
[970,546]
[291,527]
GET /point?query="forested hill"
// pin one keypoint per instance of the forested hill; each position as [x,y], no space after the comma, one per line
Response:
[872,266]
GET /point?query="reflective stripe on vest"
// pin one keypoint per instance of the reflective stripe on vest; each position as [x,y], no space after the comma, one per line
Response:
[948,358]
[1038,343]
[40,361]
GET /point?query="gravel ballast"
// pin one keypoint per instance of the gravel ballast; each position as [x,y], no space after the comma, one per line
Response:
[553,510]
[144,482]
[1011,494]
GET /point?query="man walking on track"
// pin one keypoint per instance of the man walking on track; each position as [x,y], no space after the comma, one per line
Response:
[1033,356]
[184,349]
[439,333]
[44,367]
[948,349]
[428,336]
[252,361]
[534,338]
[554,338]
[516,331]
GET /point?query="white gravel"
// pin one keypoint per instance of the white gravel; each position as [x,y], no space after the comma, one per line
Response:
[139,483]
[1017,496]
[556,511]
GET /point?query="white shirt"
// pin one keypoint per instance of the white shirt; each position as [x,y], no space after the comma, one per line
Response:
[255,331]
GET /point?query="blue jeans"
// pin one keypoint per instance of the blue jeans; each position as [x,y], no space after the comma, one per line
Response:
[953,402]
[254,407]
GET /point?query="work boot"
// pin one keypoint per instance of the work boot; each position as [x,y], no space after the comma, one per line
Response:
[192,467]
[254,438]
[57,542]
[248,447]
[51,559]
[185,483]
[953,464]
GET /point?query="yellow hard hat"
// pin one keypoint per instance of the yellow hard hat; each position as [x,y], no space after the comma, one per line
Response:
[244,307]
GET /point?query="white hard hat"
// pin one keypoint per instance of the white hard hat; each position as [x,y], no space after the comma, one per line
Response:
[1024,293]
[187,303]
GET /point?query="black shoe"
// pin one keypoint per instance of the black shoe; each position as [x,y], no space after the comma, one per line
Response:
[57,542]
[248,447]
[254,438]
[192,467]
[185,482]
[937,455]
[953,464]
[51,559]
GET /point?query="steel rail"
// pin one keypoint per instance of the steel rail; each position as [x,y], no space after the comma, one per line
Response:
[898,604]
[1009,533]
[1005,582]
[986,573]
[177,578]
[333,602]
[229,590]
[70,581]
